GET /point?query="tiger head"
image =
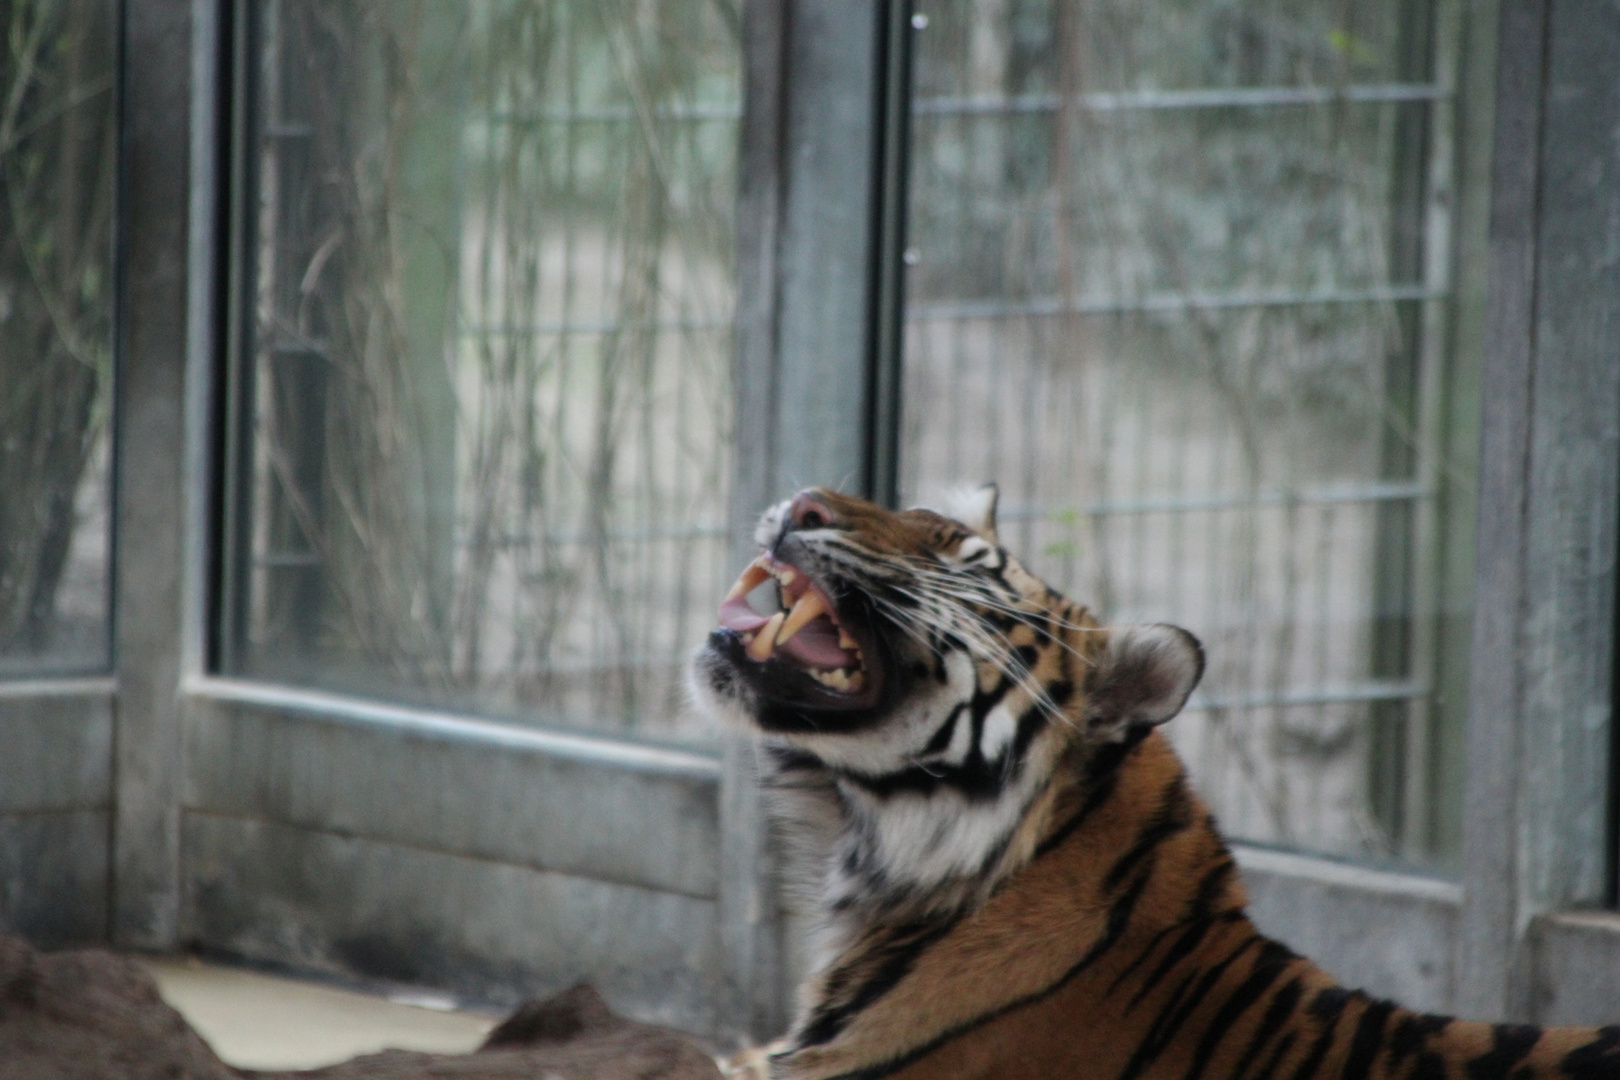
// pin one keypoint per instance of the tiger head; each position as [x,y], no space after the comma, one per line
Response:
[909,648]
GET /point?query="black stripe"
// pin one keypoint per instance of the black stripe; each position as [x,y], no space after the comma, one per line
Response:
[1151,1043]
[897,956]
[1284,1044]
[1184,945]
[1176,1012]
[942,738]
[1101,781]
[1142,956]
[1368,1041]
[1509,1045]
[1272,961]
[1597,1060]
[791,758]
[1327,1006]
[1214,883]
[975,777]
[1411,1036]
[1429,1066]
[1169,818]
[1282,1006]
[1118,919]
[1034,721]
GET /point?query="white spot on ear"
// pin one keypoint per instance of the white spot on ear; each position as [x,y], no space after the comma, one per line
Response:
[975,508]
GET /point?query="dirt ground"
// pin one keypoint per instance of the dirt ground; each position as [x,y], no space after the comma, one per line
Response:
[91,1015]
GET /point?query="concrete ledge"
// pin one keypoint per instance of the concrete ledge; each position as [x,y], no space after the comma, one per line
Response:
[629,814]
[1576,968]
[485,931]
[53,877]
[55,752]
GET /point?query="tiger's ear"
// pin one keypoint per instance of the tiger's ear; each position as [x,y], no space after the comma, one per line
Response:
[1143,677]
[975,508]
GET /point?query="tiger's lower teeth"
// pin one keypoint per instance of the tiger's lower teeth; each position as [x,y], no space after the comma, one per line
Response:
[838,679]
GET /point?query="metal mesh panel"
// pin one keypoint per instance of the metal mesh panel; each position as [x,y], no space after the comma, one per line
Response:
[1178,281]
[490,349]
[57,175]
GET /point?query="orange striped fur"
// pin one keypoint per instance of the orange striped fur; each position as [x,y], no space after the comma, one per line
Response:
[1012,874]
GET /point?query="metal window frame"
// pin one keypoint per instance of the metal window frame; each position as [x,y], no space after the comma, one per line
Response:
[1538,837]
[115,790]
[1521,934]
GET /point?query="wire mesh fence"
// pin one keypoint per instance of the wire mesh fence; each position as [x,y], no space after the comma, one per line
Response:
[1178,281]
[490,353]
[57,172]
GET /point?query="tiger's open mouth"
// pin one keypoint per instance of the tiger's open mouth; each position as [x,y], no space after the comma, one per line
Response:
[805,634]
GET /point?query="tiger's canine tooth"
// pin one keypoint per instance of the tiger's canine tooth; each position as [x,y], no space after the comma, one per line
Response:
[761,648]
[809,606]
[754,573]
[845,641]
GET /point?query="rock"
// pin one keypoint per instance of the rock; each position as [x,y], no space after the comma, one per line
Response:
[91,1015]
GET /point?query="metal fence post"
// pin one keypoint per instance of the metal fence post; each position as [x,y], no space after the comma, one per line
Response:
[149,466]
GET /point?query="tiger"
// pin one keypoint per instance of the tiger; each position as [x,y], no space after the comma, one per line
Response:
[1008,872]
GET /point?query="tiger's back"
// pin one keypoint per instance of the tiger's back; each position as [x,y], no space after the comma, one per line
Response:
[1011,874]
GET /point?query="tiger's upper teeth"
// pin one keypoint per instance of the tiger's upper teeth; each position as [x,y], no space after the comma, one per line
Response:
[750,578]
[764,644]
[808,607]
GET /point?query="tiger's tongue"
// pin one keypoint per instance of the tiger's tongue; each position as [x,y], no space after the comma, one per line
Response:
[736,614]
[815,645]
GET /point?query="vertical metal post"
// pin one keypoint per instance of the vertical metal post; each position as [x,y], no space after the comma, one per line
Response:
[882,480]
[150,466]
[1417,834]
[208,97]
[1487,930]
[825,244]
[1573,510]
[1535,821]
[815,215]
[745,898]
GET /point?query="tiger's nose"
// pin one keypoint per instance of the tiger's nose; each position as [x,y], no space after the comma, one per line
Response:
[806,511]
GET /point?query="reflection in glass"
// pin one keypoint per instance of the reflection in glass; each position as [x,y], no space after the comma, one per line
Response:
[486,396]
[57,161]
[1180,284]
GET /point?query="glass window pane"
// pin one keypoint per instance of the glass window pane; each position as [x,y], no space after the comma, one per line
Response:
[486,371]
[57,173]
[1178,281]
